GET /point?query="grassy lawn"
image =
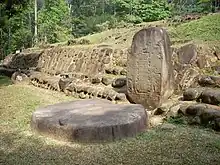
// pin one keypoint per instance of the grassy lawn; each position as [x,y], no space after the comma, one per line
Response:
[20,146]
[4,81]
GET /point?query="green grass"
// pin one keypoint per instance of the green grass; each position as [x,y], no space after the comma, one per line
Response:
[205,29]
[177,120]
[4,81]
[20,146]
[119,37]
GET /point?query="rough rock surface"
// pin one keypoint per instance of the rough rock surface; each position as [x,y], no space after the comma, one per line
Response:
[187,54]
[19,77]
[78,71]
[211,81]
[90,120]
[119,82]
[106,81]
[205,114]
[64,82]
[185,66]
[210,96]
[149,68]
[156,121]
[192,93]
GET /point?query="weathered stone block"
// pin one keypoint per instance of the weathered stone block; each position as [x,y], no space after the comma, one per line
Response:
[149,68]
[19,77]
[64,82]
[209,81]
[106,81]
[119,82]
[210,96]
[191,94]
[90,120]
[187,54]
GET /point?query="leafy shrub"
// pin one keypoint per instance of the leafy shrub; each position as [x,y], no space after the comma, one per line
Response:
[133,19]
[154,11]
[88,25]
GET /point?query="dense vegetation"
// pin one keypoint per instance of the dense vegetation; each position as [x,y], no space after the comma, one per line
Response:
[59,20]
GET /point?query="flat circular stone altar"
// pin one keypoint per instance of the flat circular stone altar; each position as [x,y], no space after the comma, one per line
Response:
[90,120]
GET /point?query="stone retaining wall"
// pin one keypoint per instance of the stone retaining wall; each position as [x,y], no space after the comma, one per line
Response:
[87,60]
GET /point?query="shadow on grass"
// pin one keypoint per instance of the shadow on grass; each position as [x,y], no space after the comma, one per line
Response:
[4,81]
[156,147]
[182,146]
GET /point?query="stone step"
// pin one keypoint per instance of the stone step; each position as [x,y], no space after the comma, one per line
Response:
[78,88]
[204,95]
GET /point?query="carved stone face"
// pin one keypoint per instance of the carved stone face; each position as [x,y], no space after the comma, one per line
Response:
[149,68]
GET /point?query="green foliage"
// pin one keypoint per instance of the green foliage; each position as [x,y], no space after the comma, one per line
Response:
[137,11]
[132,19]
[154,11]
[88,25]
[54,21]
[58,21]
[21,31]
[176,120]
[182,7]
[17,24]
[15,30]
[4,81]
[95,16]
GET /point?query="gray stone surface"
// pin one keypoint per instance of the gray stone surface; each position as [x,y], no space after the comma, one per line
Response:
[64,82]
[19,77]
[187,54]
[119,82]
[210,96]
[90,120]
[204,114]
[106,81]
[209,81]
[192,93]
[149,68]
[185,64]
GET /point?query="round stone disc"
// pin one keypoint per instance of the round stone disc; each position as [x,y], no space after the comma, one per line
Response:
[90,120]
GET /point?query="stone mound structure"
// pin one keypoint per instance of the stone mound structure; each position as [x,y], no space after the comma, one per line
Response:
[90,120]
[146,74]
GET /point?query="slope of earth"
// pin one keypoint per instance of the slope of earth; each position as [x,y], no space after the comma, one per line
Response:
[18,145]
[205,29]
[202,30]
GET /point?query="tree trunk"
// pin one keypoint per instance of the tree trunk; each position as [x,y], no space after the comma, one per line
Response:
[35,22]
